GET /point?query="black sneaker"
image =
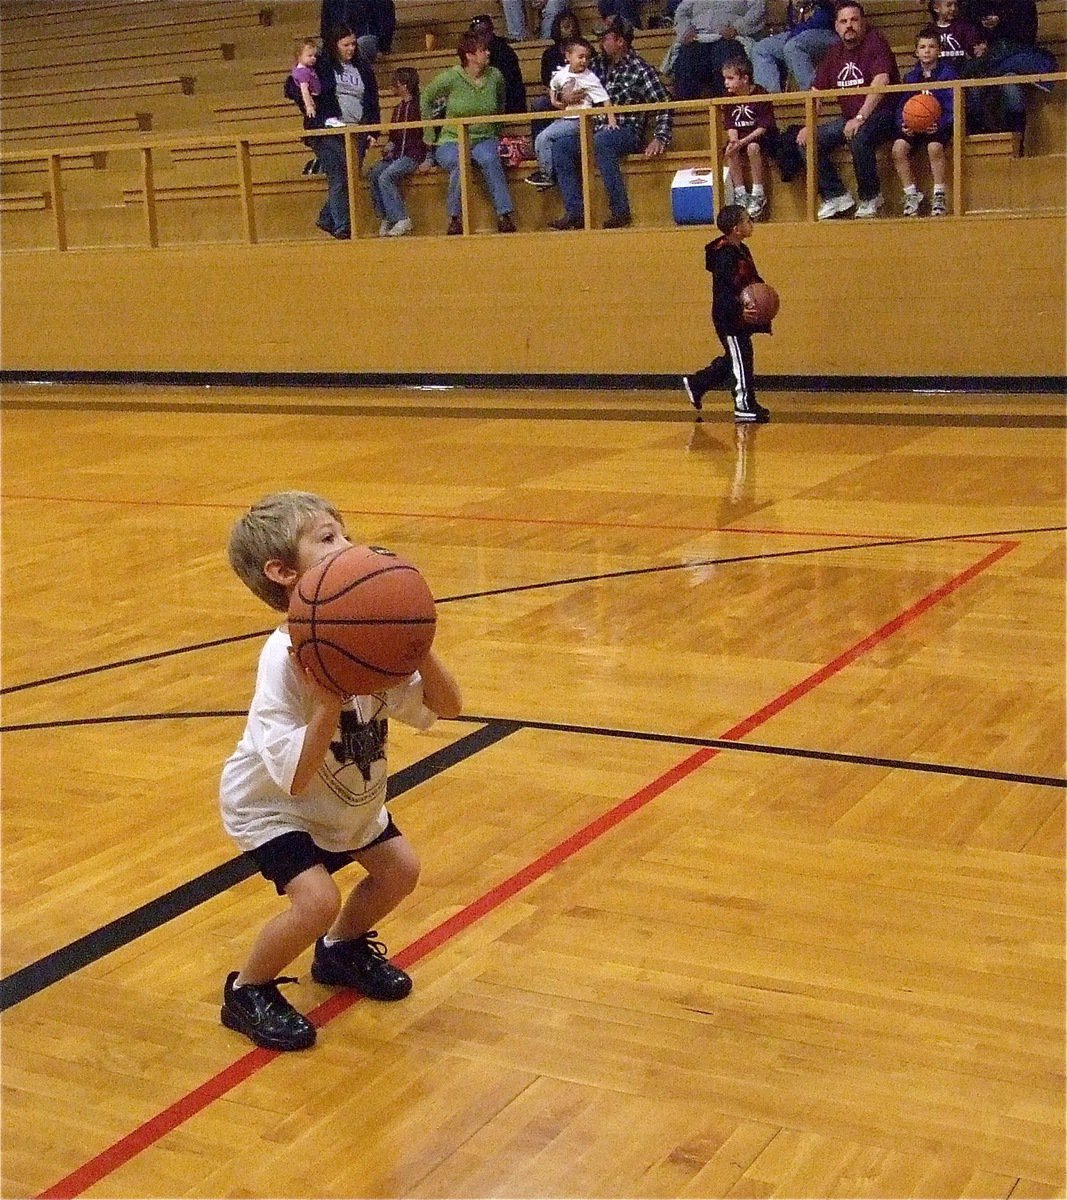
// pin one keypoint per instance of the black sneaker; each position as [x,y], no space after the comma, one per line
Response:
[695,400]
[360,964]
[261,1012]
[566,222]
[618,221]
[539,179]
[756,415]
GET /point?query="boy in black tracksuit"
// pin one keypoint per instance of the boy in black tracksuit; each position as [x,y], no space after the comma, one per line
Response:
[732,270]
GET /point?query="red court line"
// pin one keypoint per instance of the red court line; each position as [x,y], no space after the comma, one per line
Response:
[213,1089]
[485,518]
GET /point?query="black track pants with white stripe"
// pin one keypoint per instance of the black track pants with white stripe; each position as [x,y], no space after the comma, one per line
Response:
[734,367]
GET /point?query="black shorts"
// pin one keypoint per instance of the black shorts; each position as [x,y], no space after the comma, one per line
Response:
[918,140]
[288,855]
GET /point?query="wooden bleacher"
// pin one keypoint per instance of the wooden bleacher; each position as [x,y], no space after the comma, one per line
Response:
[232,87]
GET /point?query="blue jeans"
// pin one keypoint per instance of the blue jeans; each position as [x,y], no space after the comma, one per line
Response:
[551,10]
[331,155]
[563,128]
[878,128]
[778,56]
[515,18]
[487,156]
[384,179]
[610,146]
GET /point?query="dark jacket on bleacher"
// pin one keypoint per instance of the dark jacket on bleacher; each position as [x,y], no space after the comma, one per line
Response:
[506,62]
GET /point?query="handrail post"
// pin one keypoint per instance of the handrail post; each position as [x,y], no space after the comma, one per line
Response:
[811,176]
[55,179]
[715,145]
[585,147]
[149,187]
[464,164]
[959,134]
[351,176]
[244,183]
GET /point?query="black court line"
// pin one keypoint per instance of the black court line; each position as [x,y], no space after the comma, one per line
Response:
[536,381]
[782,416]
[35,977]
[766,555]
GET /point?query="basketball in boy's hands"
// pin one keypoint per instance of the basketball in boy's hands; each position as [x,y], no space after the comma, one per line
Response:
[361,620]
[760,303]
[921,113]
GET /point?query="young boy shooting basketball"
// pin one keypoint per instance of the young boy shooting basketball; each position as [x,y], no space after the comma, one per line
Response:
[304,792]
[732,269]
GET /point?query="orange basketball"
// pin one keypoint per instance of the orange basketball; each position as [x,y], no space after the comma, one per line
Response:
[361,620]
[921,113]
[763,299]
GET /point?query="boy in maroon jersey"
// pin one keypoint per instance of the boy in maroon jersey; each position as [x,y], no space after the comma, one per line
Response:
[751,133]
[732,269]
[957,35]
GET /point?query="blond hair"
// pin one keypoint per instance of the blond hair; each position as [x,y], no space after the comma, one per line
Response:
[270,530]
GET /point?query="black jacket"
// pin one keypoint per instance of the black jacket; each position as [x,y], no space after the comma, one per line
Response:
[732,270]
[506,62]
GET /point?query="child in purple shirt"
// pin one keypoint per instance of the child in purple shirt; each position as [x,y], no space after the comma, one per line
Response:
[304,75]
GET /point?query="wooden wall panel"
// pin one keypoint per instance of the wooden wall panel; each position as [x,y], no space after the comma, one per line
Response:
[973,297]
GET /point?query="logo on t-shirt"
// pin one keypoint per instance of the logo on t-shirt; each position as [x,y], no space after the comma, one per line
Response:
[361,743]
[850,76]
[744,115]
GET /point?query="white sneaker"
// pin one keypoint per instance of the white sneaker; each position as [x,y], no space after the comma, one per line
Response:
[834,206]
[870,208]
[912,203]
[400,228]
[383,229]
[757,207]
[939,205]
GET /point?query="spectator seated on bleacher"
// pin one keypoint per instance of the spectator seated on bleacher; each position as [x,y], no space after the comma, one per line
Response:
[708,32]
[403,151]
[1012,49]
[795,52]
[957,34]
[929,68]
[629,79]
[473,89]
[861,58]
[506,62]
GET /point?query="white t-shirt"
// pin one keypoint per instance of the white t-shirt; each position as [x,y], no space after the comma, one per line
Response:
[595,92]
[343,807]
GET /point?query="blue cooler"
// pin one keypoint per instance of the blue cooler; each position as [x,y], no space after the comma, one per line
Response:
[693,196]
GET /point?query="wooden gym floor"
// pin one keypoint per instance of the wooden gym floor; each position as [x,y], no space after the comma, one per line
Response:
[743,872]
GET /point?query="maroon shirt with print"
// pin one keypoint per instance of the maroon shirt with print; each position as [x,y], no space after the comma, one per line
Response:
[957,41]
[842,68]
[747,113]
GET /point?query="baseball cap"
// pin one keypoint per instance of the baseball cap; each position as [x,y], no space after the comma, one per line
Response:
[482,21]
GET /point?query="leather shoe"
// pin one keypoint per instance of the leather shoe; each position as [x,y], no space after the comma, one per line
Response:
[505,224]
[565,222]
[455,226]
[618,221]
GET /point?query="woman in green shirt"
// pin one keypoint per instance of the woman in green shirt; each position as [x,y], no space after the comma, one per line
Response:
[473,89]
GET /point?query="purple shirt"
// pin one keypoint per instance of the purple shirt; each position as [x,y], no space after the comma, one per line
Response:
[748,114]
[307,75]
[842,68]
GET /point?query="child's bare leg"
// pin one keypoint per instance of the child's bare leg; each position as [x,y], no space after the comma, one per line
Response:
[392,874]
[938,163]
[737,172]
[314,904]
[902,161]
[755,160]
